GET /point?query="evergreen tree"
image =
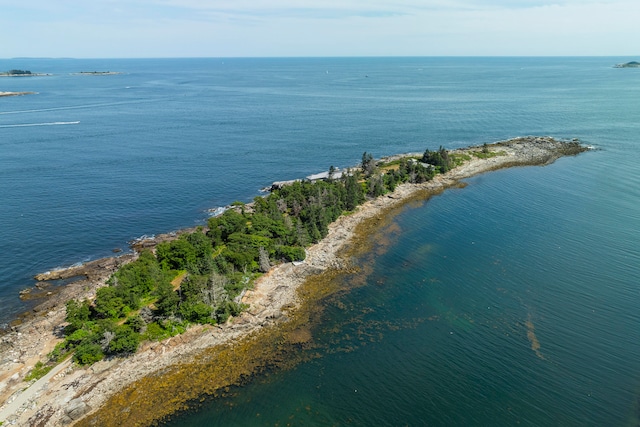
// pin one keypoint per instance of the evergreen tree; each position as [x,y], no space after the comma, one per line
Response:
[332,171]
[440,159]
[77,315]
[368,165]
[353,196]
[108,304]
[168,299]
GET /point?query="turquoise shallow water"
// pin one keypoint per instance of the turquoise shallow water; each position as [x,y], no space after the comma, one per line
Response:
[442,333]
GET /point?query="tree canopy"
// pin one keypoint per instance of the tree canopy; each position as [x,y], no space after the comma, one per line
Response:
[198,277]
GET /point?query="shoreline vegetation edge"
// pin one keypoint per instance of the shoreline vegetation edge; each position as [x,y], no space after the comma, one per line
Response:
[162,377]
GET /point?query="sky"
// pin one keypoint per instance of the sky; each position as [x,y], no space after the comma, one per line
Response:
[303,28]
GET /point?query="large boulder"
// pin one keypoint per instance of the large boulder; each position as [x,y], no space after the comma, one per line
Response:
[76,408]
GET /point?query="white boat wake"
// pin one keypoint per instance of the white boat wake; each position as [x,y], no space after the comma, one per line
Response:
[23,125]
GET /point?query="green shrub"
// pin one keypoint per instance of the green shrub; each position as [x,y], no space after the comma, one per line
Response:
[160,331]
[440,159]
[38,371]
[88,354]
[59,352]
[227,309]
[155,332]
[78,336]
[108,303]
[136,323]
[77,314]
[176,255]
[290,253]
[168,299]
[197,313]
[126,340]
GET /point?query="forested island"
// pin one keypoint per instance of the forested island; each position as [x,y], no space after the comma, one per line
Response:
[21,73]
[17,73]
[213,288]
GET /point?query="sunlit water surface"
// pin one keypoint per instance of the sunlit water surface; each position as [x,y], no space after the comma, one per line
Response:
[511,301]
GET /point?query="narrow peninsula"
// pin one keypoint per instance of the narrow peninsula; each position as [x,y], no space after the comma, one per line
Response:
[54,372]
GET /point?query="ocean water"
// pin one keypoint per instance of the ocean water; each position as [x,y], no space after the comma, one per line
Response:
[514,300]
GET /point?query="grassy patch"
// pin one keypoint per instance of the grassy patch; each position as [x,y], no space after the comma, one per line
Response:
[59,353]
[459,158]
[218,251]
[177,281]
[392,165]
[387,168]
[38,371]
[160,331]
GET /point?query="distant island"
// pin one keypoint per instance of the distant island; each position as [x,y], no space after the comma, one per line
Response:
[21,73]
[18,73]
[98,73]
[632,64]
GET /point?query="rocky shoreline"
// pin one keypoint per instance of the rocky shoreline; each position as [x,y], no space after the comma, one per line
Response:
[87,395]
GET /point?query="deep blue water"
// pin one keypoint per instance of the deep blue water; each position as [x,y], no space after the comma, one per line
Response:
[439,336]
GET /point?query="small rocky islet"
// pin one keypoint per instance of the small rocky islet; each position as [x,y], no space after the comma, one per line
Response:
[632,64]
